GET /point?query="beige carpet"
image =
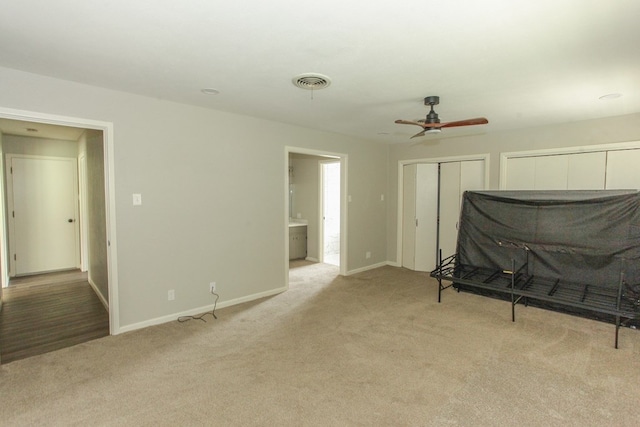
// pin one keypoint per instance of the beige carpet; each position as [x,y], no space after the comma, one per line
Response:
[371,349]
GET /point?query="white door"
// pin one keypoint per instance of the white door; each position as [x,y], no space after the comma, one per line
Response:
[409,216]
[587,171]
[455,179]
[622,170]
[449,206]
[331,213]
[419,216]
[575,171]
[426,216]
[551,172]
[521,173]
[44,212]
[420,209]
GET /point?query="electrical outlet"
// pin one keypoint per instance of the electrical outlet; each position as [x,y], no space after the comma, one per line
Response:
[171,295]
[212,287]
[367,255]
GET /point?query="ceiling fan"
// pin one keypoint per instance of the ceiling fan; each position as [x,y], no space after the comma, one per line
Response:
[432,123]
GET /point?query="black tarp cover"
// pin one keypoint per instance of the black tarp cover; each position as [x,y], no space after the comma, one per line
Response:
[578,236]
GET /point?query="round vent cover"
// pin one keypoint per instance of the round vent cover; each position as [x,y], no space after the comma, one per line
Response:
[311,81]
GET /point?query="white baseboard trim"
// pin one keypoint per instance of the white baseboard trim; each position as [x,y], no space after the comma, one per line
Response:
[174,317]
[312,259]
[367,268]
[100,296]
[393,264]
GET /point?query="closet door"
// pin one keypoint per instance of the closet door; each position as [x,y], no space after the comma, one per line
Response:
[622,170]
[575,171]
[419,216]
[420,209]
[455,179]
[449,206]
[551,172]
[521,173]
[587,171]
[426,216]
[409,216]
[471,176]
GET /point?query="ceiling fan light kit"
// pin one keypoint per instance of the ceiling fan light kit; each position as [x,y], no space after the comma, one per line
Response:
[431,124]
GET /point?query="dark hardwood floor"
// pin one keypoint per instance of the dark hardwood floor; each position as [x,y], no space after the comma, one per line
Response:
[48,312]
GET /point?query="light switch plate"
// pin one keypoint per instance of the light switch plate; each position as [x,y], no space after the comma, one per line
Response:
[137,199]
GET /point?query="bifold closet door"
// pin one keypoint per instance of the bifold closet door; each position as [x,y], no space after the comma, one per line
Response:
[575,171]
[622,170]
[455,179]
[426,216]
[419,216]
[420,241]
[587,171]
[409,216]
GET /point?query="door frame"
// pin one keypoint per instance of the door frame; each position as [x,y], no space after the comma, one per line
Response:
[344,165]
[110,199]
[82,205]
[11,246]
[400,191]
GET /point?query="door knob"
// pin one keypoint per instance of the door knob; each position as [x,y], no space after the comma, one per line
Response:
[70,220]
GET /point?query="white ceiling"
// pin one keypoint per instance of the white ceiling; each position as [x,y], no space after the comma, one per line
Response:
[518,63]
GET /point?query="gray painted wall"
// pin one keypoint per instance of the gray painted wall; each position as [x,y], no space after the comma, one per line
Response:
[213,186]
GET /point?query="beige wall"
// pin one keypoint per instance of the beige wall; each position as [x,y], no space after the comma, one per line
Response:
[591,132]
[213,189]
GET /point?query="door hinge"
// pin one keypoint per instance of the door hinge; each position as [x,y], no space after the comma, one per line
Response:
[15,257]
[13,214]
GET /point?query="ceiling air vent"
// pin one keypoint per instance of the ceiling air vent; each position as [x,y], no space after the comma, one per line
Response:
[311,81]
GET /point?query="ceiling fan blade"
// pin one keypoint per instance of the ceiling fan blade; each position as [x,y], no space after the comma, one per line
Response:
[468,122]
[418,134]
[410,122]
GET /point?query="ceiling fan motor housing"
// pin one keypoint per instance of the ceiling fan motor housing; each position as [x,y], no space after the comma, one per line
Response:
[432,116]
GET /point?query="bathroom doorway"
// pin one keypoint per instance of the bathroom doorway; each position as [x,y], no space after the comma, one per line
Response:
[305,202]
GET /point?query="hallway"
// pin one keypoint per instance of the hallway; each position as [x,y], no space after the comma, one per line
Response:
[47,312]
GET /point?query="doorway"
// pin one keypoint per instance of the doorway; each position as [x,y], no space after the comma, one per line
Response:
[97,172]
[42,196]
[305,202]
